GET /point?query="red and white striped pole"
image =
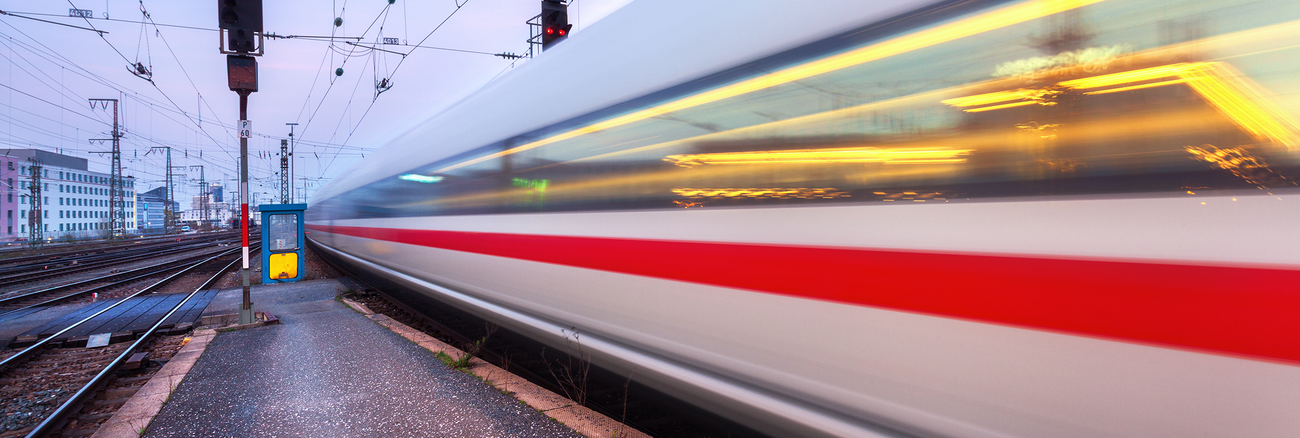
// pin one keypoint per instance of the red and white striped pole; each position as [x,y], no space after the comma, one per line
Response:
[246,309]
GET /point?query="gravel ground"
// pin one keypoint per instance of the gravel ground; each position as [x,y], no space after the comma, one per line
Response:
[328,371]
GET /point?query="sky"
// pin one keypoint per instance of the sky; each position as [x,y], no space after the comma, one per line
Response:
[49,71]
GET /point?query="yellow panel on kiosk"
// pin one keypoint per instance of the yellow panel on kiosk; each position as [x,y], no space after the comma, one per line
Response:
[283,266]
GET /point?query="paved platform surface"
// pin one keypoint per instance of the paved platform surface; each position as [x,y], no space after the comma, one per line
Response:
[327,371]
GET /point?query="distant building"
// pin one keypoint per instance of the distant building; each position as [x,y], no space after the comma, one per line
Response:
[75,201]
[151,210]
[219,213]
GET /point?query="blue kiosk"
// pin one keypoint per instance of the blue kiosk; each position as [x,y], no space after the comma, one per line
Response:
[282,242]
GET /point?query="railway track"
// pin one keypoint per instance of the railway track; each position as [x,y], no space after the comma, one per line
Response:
[78,289]
[83,255]
[100,261]
[19,263]
[56,383]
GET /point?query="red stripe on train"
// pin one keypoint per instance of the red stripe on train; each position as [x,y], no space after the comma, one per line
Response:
[1236,310]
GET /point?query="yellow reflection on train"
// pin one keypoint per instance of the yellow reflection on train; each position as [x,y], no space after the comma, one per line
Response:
[762,193]
[1005,99]
[833,155]
[966,27]
[1241,164]
[1215,82]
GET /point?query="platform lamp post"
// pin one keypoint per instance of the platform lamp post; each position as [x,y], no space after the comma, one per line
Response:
[240,23]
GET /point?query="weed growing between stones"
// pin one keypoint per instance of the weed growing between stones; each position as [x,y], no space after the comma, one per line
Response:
[472,350]
[572,374]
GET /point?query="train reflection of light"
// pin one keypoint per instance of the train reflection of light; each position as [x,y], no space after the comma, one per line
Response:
[1241,164]
[913,196]
[833,155]
[1026,96]
[1139,87]
[425,179]
[1219,85]
[959,29]
[762,193]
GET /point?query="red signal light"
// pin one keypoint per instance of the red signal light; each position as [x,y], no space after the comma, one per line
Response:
[550,30]
[561,32]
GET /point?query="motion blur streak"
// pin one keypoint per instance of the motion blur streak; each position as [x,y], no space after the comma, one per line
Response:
[963,28]
[845,155]
[771,193]
[1239,311]
[1218,85]
[1031,95]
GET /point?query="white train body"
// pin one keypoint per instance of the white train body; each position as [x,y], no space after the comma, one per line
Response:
[1065,218]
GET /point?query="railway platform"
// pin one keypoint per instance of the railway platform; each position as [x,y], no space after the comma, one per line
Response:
[327,370]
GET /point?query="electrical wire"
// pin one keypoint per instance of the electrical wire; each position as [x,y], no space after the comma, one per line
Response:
[390,75]
[101,36]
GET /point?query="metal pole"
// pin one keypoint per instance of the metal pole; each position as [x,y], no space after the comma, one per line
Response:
[246,310]
[284,172]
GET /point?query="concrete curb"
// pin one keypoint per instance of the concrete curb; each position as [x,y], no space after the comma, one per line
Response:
[579,418]
[138,412]
[360,308]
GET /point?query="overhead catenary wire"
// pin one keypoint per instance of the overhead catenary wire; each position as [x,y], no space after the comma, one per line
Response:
[319,104]
[101,36]
[459,5]
[13,14]
[160,91]
[90,75]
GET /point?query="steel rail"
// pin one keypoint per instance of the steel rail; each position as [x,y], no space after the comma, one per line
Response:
[118,276]
[89,388]
[99,264]
[94,255]
[174,265]
[7,262]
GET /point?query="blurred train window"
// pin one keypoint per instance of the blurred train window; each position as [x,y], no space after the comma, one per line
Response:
[283,232]
[1118,96]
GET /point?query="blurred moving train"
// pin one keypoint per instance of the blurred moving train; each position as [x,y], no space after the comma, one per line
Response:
[1064,218]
